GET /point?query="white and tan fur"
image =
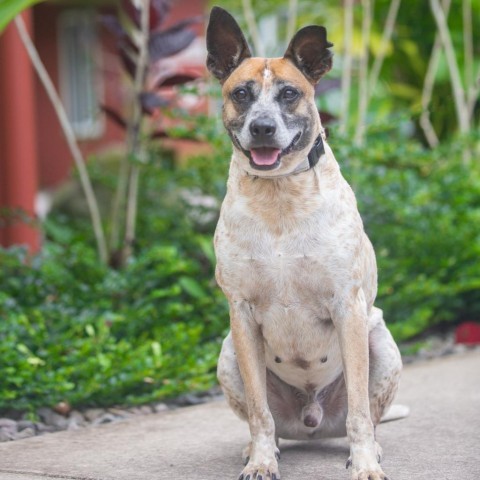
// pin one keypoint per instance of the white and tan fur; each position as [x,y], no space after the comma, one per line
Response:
[308,355]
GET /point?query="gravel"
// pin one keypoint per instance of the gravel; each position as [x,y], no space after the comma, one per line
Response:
[50,420]
[63,417]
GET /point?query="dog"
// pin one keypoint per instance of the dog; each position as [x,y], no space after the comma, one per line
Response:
[308,354]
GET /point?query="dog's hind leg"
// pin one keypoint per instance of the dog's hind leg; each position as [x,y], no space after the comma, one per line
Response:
[230,379]
[385,367]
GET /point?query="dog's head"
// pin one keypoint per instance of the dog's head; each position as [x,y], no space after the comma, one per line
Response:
[269,109]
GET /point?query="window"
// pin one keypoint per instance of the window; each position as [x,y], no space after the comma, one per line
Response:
[80,84]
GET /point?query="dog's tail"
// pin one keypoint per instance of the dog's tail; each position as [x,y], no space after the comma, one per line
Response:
[395,412]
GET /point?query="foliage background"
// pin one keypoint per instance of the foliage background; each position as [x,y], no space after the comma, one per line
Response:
[76,330]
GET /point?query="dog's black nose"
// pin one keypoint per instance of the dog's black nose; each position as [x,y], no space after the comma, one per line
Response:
[263,128]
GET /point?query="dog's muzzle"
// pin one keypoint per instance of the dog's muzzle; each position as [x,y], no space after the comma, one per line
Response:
[265,156]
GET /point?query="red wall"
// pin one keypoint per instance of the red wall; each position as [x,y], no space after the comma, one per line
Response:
[18,166]
[55,163]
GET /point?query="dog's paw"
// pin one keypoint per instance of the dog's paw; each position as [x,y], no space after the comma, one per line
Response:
[378,453]
[364,467]
[259,473]
[246,453]
[267,470]
[376,474]
[373,473]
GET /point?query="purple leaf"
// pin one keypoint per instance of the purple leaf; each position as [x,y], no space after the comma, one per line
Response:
[151,101]
[165,134]
[327,118]
[159,10]
[178,79]
[128,62]
[159,134]
[111,23]
[169,42]
[114,116]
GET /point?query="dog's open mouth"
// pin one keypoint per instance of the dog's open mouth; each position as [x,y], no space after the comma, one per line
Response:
[268,158]
[265,156]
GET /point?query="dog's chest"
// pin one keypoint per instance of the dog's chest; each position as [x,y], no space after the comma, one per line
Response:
[287,281]
[296,267]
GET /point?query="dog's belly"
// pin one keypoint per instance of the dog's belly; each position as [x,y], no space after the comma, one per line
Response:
[289,296]
[300,348]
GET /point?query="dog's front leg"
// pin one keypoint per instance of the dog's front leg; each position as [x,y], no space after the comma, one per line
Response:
[248,343]
[351,322]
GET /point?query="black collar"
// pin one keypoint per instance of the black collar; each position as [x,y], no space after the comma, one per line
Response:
[316,152]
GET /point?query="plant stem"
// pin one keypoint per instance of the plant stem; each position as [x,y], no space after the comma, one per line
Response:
[458,92]
[474,94]
[363,73]
[347,65]
[134,131]
[252,27]
[119,203]
[387,35]
[468,44]
[292,19]
[69,136]
[428,84]
[472,86]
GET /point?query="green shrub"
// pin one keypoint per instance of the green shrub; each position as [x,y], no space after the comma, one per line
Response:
[72,329]
[421,209]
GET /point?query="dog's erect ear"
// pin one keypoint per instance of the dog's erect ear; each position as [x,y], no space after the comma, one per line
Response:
[226,45]
[309,51]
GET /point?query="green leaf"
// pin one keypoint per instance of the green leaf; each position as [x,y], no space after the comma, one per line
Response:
[192,287]
[9,9]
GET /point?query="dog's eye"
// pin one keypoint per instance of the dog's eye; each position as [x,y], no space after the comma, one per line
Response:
[240,94]
[289,93]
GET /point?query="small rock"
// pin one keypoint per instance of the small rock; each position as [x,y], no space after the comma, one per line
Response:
[25,433]
[105,418]
[53,419]
[188,399]
[22,424]
[93,413]
[144,410]
[78,416]
[9,426]
[160,407]
[76,420]
[42,428]
[5,436]
[120,412]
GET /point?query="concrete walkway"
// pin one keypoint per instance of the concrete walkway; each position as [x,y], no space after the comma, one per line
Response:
[439,440]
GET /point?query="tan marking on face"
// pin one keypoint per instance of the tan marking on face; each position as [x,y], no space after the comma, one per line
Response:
[263,71]
[285,70]
[249,69]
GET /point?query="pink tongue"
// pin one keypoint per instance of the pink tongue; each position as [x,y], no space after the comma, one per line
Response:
[264,156]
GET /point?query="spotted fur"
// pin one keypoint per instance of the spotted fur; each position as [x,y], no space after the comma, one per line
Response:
[308,355]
